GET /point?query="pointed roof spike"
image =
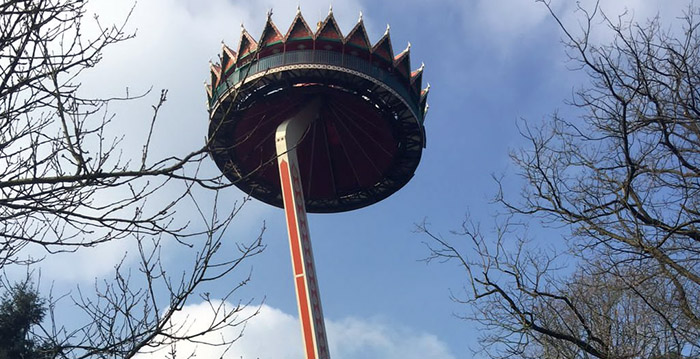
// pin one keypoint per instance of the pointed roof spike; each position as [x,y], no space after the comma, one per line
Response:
[423,97]
[402,62]
[417,79]
[403,53]
[299,28]
[330,9]
[270,35]
[383,48]
[424,94]
[387,29]
[329,29]
[227,51]
[358,36]
[298,9]
[425,90]
[246,45]
[360,19]
[225,48]
[215,73]
[416,73]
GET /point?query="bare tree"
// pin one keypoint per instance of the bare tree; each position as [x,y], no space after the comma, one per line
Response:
[57,155]
[61,155]
[624,179]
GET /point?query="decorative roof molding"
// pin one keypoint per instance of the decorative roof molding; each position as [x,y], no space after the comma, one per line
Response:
[380,54]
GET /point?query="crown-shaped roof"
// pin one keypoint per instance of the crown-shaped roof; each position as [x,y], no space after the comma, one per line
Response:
[327,37]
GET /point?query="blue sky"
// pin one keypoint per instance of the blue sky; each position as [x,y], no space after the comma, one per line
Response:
[490,63]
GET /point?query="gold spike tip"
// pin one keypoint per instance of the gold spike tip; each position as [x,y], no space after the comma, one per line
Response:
[409,46]
[387,29]
[330,10]
[422,66]
[360,19]
[298,8]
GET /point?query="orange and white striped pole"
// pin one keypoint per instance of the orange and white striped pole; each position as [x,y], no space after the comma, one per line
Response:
[288,135]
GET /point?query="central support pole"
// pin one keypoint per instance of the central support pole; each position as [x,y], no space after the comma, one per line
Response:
[288,136]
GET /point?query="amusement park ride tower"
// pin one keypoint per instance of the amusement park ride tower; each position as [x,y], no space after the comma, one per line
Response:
[343,120]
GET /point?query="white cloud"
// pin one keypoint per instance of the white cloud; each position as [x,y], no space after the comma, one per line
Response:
[361,338]
[274,334]
[505,21]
